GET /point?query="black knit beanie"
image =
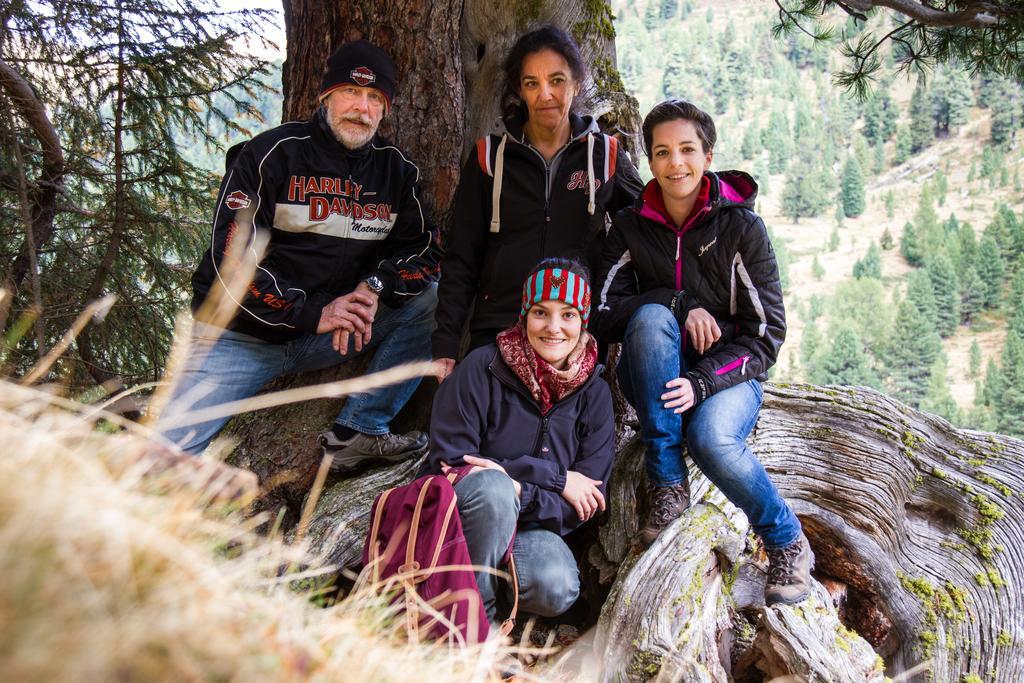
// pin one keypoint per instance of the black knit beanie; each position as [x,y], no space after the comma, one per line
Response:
[362,63]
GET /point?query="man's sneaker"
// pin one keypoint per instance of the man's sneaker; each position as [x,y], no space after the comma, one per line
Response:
[352,454]
[789,573]
[667,503]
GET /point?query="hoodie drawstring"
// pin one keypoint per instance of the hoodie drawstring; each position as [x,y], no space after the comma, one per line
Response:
[499,167]
[590,172]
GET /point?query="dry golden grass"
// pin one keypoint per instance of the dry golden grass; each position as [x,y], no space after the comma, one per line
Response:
[113,573]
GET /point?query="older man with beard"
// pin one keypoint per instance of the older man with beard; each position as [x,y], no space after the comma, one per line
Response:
[351,265]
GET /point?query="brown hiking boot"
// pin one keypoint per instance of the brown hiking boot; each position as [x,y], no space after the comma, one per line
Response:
[789,573]
[352,454]
[667,503]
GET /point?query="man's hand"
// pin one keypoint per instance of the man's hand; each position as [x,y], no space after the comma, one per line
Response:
[583,494]
[703,329]
[442,368]
[350,314]
[679,396]
[479,464]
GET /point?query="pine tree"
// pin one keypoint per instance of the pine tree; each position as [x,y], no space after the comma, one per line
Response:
[1006,116]
[854,202]
[778,141]
[804,194]
[972,295]
[864,306]
[992,387]
[870,265]
[880,115]
[941,187]
[952,98]
[811,350]
[910,245]
[946,288]
[926,221]
[669,9]
[817,270]
[904,145]
[1015,304]
[1009,406]
[913,348]
[922,130]
[938,399]
[974,362]
[890,204]
[968,248]
[845,362]
[921,294]
[878,163]
[887,241]
[990,270]
[129,85]
[751,147]
[833,240]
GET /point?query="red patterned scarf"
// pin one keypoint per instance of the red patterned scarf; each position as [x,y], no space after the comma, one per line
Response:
[546,384]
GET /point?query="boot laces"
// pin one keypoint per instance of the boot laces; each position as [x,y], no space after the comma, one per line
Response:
[666,504]
[781,563]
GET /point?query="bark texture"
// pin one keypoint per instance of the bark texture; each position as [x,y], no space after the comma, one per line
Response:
[914,524]
[916,531]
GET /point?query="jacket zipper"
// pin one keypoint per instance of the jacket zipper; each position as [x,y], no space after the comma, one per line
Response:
[541,436]
[547,188]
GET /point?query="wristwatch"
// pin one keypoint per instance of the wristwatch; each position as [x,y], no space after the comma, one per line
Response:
[375,284]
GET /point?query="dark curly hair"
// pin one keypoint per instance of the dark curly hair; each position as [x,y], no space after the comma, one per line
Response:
[546,37]
[680,110]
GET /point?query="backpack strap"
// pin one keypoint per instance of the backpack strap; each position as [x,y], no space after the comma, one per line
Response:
[508,624]
[449,513]
[411,565]
[378,514]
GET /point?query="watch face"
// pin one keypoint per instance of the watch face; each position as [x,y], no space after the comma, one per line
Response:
[375,284]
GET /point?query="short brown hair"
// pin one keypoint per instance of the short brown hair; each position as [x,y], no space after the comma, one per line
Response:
[680,110]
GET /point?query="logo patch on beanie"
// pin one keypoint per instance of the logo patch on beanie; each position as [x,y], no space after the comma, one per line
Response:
[556,281]
[237,200]
[363,76]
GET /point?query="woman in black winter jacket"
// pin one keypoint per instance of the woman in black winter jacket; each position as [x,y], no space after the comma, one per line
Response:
[534,418]
[540,189]
[689,284]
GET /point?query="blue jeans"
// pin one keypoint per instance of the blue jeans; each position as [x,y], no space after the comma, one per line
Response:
[716,430]
[225,366]
[549,580]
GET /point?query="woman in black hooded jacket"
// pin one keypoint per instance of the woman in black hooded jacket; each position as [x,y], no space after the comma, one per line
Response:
[540,189]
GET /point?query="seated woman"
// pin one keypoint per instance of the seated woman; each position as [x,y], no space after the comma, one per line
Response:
[689,283]
[533,416]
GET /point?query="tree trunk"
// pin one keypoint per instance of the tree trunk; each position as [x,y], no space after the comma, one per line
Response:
[912,521]
[914,526]
[448,56]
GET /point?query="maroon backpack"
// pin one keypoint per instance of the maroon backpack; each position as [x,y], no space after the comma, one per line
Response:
[416,545]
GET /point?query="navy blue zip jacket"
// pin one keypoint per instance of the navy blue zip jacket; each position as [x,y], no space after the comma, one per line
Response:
[335,216]
[484,409]
[555,208]
[721,261]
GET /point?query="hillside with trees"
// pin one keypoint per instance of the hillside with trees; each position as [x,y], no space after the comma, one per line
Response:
[897,217]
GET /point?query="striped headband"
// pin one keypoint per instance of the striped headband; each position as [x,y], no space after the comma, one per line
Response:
[557,284]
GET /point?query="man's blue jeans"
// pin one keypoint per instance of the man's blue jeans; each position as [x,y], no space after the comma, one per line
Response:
[716,430]
[230,366]
[549,580]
